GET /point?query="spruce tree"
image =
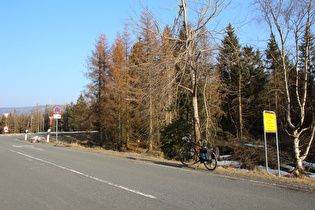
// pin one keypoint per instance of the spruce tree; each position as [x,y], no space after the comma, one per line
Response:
[274,67]
[255,89]
[230,71]
[311,78]
[276,89]
[78,116]
[245,85]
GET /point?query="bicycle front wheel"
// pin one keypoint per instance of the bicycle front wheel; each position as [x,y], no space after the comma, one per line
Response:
[211,164]
[188,156]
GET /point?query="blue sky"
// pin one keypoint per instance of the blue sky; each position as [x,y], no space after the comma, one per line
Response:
[44,43]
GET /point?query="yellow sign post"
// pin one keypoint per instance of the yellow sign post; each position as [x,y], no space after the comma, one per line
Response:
[270,126]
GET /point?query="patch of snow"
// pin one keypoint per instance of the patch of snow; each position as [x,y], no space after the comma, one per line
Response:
[288,166]
[311,175]
[227,163]
[255,146]
[273,171]
[309,164]
[224,156]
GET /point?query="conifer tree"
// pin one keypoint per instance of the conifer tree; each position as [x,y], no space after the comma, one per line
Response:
[274,67]
[78,116]
[146,60]
[120,73]
[245,85]
[311,66]
[255,89]
[99,89]
[231,73]
[136,59]
[128,104]
[167,73]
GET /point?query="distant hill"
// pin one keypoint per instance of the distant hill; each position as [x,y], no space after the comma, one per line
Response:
[20,110]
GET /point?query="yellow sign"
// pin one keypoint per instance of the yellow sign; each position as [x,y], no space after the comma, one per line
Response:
[270,122]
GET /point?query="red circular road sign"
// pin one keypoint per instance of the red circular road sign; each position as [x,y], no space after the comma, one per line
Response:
[57,110]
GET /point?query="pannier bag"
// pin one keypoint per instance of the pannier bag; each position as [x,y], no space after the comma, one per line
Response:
[215,150]
[204,154]
[209,153]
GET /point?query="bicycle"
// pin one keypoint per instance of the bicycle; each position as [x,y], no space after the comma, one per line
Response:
[192,155]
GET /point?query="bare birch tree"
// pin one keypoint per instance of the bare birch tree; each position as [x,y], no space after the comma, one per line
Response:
[190,53]
[290,20]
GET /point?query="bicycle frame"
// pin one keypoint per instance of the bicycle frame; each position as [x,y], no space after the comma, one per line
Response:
[195,147]
[208,158]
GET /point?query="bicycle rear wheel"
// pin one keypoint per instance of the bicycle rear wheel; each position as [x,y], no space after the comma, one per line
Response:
[211,164]
[188,156]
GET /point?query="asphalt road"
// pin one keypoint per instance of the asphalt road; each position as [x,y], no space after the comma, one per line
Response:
[39,176]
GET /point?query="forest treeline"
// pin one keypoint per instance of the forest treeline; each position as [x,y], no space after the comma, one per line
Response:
[167,82]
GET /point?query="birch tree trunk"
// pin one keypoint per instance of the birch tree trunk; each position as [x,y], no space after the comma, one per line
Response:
[190,56]
[195,108]
[293,18]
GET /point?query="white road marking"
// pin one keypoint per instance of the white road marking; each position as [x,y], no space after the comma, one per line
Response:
[26,146]
[88,176]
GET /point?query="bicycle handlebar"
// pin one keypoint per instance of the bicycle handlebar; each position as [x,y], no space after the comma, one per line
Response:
[187,139]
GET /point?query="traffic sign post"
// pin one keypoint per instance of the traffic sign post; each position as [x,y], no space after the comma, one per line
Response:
[50,120]
[57,116]
[32,116]
[6,115]
[270,126]
[57,110]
